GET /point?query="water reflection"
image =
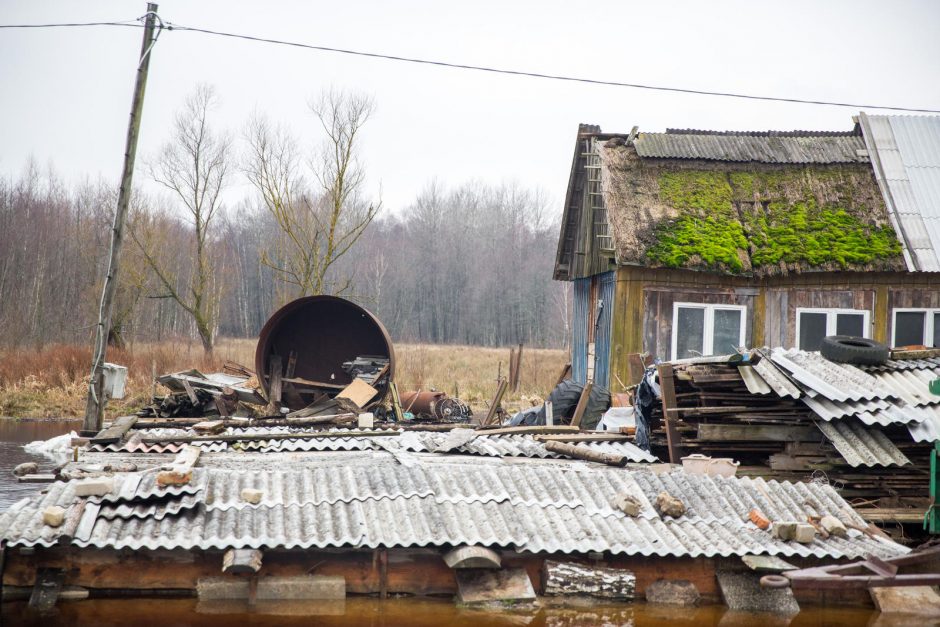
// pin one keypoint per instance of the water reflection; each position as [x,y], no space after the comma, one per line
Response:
[13,435]
[418,613]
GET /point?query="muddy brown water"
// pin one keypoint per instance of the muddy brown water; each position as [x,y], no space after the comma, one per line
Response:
[417,613]
[359,610]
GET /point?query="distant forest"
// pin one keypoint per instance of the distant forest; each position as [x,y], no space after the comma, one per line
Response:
[470,264]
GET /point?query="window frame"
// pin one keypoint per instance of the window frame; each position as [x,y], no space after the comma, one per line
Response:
[928,322]
[832,314]
[708,334]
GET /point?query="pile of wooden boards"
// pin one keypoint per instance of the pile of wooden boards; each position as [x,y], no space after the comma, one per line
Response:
[707,408]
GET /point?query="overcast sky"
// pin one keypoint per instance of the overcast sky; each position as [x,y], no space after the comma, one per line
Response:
[66,92]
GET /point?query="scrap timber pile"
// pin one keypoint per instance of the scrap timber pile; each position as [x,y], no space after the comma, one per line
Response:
[795,415]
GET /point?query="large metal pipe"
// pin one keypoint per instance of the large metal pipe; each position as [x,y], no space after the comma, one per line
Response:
[323,332]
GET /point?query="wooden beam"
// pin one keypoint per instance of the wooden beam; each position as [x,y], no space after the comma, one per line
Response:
[532,429]
[494,405]
[756,433]
[116,431]
[582,404]
[255,437]
[668,389]
[46,589]
[585,437]
[275,374]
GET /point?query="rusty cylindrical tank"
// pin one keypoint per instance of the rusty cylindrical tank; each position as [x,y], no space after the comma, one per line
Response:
[323,332]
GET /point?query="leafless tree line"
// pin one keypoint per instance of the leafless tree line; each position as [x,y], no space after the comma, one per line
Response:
[471,264]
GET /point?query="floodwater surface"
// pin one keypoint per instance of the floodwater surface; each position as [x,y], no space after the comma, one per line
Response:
[13,435]
[419,613]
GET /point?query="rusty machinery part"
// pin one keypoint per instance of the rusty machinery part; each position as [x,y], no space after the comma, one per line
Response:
[435,406]
[323,333]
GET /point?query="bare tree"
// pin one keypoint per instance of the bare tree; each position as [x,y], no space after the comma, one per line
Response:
[318,225]
[194,166]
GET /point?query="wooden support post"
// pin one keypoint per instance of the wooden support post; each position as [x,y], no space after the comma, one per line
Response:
[667,385]
[94,408]
[515,367]
[564,374]
[494,405]
[275,374]
[396,402]
[46,589]
[582,404]
[383,573]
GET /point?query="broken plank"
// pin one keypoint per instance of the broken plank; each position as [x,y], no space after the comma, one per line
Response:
[359,392]
[533,429]
[581,407]
[116,431]
[772,433]
[494,405]
[275,374]
[262,437]
[585,437]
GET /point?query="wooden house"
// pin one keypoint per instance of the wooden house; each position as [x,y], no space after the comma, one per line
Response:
[689,243]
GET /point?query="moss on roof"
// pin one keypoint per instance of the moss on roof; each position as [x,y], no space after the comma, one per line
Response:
[743,218]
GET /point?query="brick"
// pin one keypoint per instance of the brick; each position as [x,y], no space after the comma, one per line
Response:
[53,516]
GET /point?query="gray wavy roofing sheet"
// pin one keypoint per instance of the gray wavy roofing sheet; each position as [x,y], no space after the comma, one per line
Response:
[904,364]
[835,381]
[862,445]
[928,430]
[912,385]
[550,507]
[752,147]
[906,155]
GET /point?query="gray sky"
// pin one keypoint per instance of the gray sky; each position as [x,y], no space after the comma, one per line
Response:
[66,92]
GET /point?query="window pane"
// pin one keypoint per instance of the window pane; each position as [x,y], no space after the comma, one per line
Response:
[850,324]
[690,332]
[936,330]
[812,330]
[909,328]
[727,335]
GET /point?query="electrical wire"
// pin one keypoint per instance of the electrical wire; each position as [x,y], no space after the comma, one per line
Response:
[557,77]
[482,68]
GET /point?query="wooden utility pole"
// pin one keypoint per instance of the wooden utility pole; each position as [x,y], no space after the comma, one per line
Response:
[94,410]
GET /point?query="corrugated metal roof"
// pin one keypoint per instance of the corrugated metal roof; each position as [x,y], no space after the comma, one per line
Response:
[538,507]
[906,157]
[763,148]
[862,446]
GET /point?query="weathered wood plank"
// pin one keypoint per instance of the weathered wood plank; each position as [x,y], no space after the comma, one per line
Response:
[587,454]
[46,589]
[582,404]
[760,433]
[116,431]
[570,578]
[668,389]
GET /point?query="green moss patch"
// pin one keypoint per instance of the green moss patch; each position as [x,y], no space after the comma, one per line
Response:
[803,232]
[707,232]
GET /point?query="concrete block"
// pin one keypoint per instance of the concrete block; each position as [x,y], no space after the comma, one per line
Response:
[250,495]
[628,504]
[53,516]
[679,592]
[26,468]
[479,585]
[302,587]
[742,591]
[94,487]
[833,525]
[921,600]
[668,505]
[791,530]
[218,588]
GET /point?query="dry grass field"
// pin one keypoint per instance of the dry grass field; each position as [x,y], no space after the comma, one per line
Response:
[51,382]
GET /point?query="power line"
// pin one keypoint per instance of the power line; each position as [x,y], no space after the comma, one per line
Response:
[68,24]
[494,70]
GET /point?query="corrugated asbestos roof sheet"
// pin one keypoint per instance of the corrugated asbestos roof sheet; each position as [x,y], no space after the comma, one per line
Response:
[763,148]
[861,446]
[520,445]
[547,506]
[836,381]
[906,158]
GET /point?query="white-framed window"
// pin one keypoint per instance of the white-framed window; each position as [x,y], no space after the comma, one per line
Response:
[812,325]
[914,327]
[699,329]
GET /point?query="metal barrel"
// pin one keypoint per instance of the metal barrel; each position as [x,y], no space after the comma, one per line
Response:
[322,332]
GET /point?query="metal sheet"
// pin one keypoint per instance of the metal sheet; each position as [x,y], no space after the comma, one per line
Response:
[607,283]
[862,445]
[908,151]
[581,305]
[770,147]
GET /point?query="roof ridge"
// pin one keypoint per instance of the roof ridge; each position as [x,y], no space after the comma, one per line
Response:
[769,133]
